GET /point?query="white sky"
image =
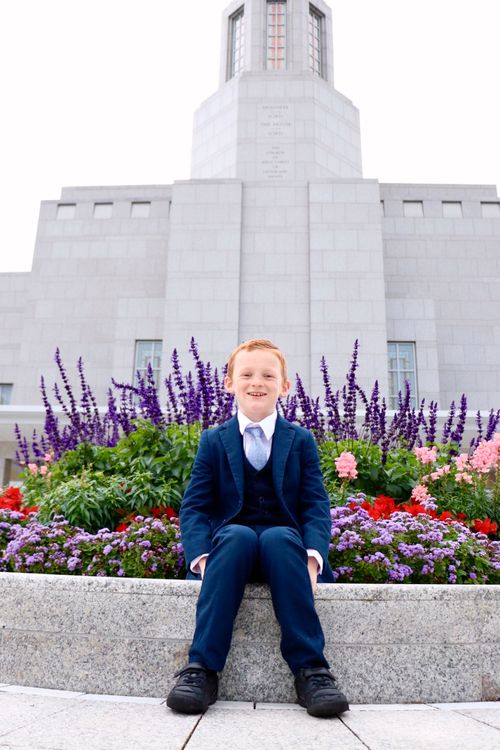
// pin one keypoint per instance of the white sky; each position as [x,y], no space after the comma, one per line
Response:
[102,92]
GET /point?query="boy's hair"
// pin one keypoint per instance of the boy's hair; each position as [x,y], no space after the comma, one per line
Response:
[250,346]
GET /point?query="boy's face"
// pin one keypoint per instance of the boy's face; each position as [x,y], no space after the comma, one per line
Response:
[257,383]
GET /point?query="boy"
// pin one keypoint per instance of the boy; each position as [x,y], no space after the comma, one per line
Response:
[256,509]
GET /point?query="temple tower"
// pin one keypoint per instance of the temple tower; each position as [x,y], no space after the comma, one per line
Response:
[277,234]
[276,115]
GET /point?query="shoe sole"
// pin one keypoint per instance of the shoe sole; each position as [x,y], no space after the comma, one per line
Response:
[326,709]
[185,705]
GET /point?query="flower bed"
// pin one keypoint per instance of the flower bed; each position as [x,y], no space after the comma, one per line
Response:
[405,547]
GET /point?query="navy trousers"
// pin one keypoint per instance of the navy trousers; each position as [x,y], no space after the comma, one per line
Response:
[274,555]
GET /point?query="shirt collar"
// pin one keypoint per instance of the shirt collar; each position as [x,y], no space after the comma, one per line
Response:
[268,424]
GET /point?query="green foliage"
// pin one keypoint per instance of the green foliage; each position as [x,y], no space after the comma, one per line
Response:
[90,502]
[395,478]
[94,486]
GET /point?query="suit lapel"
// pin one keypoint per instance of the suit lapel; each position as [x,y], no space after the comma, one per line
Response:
[231,440]
[282,442]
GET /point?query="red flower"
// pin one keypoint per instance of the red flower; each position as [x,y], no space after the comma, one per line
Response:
[446,516]
[122,527]
[383,506]
[485,526]
[11,498]
[163,510]
[414,509]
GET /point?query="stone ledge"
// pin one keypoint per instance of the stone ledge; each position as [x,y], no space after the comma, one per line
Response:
[392,643]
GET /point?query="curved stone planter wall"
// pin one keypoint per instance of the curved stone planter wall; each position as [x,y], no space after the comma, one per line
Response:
[386,643]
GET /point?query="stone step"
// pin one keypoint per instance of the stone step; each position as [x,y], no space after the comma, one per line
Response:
[386,643]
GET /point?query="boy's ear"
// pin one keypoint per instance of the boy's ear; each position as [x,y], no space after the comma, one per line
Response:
[228,384]
[285,389]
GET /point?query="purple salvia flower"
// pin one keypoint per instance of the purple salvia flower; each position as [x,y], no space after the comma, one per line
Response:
[493,420]
[458,433]
[448,424]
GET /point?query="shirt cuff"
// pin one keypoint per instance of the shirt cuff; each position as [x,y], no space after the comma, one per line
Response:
[314,553]
[194,568]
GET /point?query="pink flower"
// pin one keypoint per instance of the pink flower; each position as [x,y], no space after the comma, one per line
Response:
[462,461]
[43,470]
[346,465]
[425,455]
[48,458]
[33,468]
[419,494]
[485,456]
[438,473]
[463,477]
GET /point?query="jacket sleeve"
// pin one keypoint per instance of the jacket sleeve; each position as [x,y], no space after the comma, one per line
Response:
[314,503]
[197,505]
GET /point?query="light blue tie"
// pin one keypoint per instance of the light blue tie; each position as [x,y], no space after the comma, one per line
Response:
[256,450]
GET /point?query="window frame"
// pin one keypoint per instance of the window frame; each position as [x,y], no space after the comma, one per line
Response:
[59,212]
[401,373]
[6,388]
[98,205]
[143,370]
[236,51]
[274,62]
[413,203]
[140,203]
[495,215]
[458,215]
[317,17]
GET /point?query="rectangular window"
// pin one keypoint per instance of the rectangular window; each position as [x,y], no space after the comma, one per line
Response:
[236,43]
[66,210]
[382,208]
[103,210]
[452,209]
[276,35]
[413,209]
[490,210]
[148,353]
[315,42]
[402,368]
[140,209]
[5,393]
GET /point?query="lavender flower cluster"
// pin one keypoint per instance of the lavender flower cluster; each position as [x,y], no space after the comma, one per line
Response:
[149,548]
[199,396]
[336,417]
[191,398]
[408,549]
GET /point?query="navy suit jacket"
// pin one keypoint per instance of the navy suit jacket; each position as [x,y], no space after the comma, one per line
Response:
[215,492]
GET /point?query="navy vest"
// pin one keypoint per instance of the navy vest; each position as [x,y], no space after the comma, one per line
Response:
[260,505]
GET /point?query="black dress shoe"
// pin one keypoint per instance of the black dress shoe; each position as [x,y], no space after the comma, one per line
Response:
[195,690]
[317,691]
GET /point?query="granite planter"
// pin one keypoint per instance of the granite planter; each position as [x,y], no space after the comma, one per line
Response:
[392,643]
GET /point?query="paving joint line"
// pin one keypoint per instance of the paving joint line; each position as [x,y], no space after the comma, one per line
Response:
[193,730]
[354,733]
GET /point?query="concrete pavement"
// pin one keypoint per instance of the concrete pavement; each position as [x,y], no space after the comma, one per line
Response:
[39,719]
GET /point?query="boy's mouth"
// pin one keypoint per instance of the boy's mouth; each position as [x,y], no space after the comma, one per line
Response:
[256,394]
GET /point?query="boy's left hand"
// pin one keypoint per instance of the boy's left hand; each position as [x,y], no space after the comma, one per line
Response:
[312,567]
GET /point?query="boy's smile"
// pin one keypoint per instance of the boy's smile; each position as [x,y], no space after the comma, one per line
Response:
[257,382]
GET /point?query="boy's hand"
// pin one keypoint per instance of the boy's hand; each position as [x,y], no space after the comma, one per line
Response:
[201,565]
[312,567]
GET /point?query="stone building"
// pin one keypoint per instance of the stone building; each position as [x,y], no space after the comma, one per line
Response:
[276,234]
